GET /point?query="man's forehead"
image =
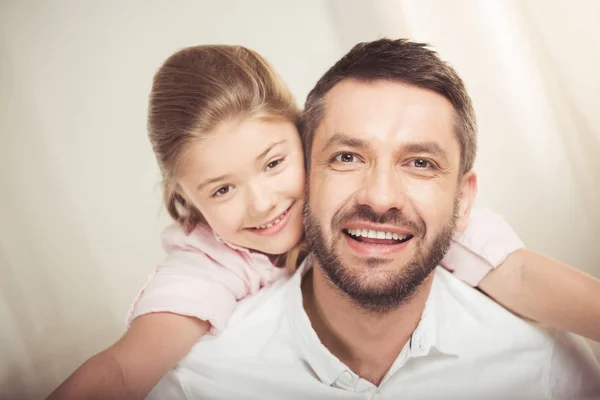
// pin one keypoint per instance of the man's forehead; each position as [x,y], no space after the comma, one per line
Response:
[378,109]
[381,95]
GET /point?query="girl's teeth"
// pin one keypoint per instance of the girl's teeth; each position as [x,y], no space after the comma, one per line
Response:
[278,220]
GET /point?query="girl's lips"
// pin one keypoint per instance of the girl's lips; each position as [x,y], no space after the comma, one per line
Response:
[275,228]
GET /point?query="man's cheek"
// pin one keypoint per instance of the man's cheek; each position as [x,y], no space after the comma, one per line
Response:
[431,202]
[316,196]
[338,190]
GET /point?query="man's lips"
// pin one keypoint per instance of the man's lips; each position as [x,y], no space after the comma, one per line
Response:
[370,232]
[377,237]
[373,247]
[376,240]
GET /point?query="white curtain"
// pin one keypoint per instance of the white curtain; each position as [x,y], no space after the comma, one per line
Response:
[79,195]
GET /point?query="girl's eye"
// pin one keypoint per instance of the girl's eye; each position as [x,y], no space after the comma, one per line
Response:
[345,158]
[223,190]
[274,163]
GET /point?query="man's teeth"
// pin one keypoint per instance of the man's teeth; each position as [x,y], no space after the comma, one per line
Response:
[369,233]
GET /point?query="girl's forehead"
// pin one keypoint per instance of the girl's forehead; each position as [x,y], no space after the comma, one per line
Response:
[246,136]
[237,145]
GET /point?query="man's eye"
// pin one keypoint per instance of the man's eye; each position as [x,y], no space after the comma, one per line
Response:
[345,158]
[422,164]
[223,190]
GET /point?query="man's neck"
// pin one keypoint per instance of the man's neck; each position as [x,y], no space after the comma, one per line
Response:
[365,341]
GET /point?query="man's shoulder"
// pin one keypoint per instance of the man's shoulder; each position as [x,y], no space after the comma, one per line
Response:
[482,320]
[254,322]
[480,328]
[269,303]
[472,303]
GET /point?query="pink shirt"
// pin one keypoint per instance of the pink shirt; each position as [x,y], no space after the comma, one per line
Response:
[203,276]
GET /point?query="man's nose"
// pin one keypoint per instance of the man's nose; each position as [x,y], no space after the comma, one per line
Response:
[382,190]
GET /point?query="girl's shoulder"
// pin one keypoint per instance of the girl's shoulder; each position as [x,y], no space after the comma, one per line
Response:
[175,240]
[202,276]
[201,238]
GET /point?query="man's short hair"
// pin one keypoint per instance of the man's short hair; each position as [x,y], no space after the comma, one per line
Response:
[399,61]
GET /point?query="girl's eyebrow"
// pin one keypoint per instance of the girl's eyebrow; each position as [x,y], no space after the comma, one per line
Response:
[264,153]
[212,180]
[225,177]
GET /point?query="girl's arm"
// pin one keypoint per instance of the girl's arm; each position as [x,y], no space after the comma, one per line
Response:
[131,367]
[547,291]
[190,292]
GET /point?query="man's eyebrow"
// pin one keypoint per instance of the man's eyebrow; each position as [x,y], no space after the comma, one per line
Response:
[341,139]
[425,147]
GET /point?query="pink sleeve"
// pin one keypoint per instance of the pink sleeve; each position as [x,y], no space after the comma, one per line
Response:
[484,245]
[190,282]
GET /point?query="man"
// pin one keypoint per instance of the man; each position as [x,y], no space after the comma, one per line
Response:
[389,135]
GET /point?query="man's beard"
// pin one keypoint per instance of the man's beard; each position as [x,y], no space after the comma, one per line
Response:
[399,285]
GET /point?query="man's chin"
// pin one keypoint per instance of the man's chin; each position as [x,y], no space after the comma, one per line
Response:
[375,284]
[367,265]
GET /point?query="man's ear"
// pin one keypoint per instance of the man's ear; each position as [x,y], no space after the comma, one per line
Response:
[467,190]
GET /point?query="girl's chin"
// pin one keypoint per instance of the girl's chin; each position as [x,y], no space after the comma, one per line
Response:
[278,250]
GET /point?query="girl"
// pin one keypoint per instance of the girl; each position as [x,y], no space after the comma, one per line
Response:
[224,130]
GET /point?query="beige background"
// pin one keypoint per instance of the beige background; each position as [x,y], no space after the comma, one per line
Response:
[80,207]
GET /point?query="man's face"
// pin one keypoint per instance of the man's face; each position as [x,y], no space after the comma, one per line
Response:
[384,194]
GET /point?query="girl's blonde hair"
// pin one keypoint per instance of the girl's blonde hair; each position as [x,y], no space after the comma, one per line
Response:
[197,89]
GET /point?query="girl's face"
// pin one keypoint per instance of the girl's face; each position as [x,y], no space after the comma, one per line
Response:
[247,180]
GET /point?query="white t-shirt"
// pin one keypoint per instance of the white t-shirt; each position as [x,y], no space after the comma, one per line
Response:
[465,347]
